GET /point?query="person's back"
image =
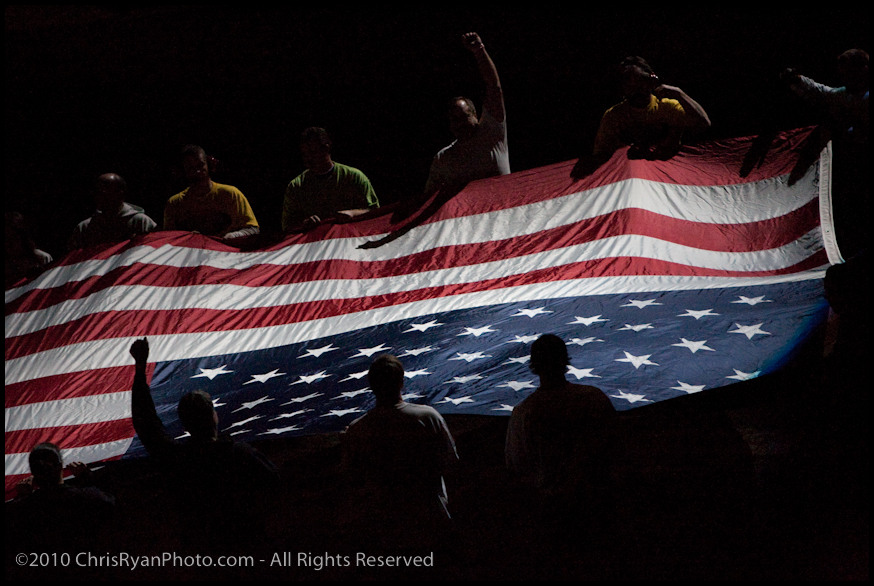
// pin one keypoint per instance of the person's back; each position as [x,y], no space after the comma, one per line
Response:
[395,458]
[221,487]
[400,452]
[53,515]
[559,438]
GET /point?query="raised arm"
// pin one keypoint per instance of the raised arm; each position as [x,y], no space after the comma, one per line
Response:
[494,99]
[696,118]
[147,424]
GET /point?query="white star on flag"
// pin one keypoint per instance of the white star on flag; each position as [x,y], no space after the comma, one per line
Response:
[302,399]
[518,385]
[250,404]
[631,398]
[469,356]
[477,332]
[318,351]
[368,352]
[694,346]
[640,304]
[749,331]
[416,351]
[457,401]
[740,375]
[581,372]
[688,388]
[211,373]
[530,312]
[637,361]
[586,321]
[422,327]
[415,373]
[263,378]
[697,313]
[244,422]
[279,430]
[583,341]
[522,340]
[752,300]
[463,379]
[636,328]
[351,394]
[289,415]
[311,378]
[341,412]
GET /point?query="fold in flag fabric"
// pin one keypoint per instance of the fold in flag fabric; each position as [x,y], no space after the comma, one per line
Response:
[663,277]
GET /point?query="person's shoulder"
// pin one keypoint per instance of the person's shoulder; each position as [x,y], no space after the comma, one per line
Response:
[350,171]
[297,180]
[225,188]
[177,198]
[616,108]
[589,394]
[421,412]
[668,104]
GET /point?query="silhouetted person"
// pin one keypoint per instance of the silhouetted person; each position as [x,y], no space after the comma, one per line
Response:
[479,149]
[326,190]
[559,439]
[395,457]
[845,108]
[844,119]
[223,485]
[22,259]
[114,220]
[52,515]
[652,119]
[207,207]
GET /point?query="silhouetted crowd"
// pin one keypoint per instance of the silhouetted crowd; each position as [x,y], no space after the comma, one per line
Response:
[398,457]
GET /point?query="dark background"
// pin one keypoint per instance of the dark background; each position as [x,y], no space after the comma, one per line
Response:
[97,89]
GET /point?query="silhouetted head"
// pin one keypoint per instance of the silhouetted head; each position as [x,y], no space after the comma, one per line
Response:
[46,464]
[315,149]
[463,120]
[195,164]
[17,236]
[109,192]
[637,79]
[198,416]
[549,356]
[386,378]
[853,69]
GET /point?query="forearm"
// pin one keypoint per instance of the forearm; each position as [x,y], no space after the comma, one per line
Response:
[494,100]
[144,416]
[696,117]
[247,231]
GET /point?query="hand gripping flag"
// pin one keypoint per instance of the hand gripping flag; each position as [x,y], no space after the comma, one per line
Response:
[663,277]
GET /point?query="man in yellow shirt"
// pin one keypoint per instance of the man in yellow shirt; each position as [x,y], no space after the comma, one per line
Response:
[652,119]
[208,207]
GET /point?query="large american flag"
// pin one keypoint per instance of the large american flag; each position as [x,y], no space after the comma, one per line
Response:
[664,278]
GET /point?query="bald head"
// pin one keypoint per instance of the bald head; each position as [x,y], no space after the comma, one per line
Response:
[109,192]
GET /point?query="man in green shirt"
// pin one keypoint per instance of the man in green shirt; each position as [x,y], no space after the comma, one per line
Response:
[325,190]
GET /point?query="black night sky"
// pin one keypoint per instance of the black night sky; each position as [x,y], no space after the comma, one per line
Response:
[90,90]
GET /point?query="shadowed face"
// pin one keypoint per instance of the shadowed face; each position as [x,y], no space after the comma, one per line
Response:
[195,168]
[316,156]
[636,83]
[462,119]
[109,193]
